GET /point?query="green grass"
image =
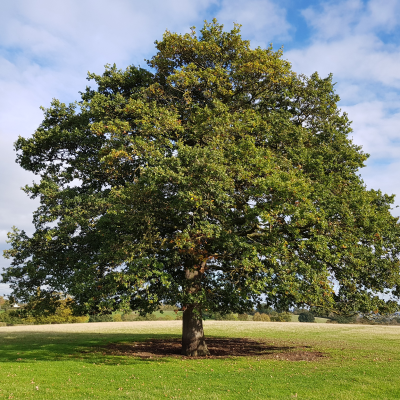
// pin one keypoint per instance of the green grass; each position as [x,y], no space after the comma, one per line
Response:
[39,362]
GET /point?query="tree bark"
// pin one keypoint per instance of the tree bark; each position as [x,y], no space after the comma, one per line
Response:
[193,341]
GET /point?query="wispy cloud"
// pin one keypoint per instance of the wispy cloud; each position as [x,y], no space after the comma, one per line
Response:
[349,40]
[262,20]
[343,18]
[358,42]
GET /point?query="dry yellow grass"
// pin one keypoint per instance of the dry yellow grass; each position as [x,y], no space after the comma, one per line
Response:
[228,328]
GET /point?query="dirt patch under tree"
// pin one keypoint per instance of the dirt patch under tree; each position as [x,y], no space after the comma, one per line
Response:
[219,348]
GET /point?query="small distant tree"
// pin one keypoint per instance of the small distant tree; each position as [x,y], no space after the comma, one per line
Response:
[306,317]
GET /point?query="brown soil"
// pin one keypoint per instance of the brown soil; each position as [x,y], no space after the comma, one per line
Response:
[219,348]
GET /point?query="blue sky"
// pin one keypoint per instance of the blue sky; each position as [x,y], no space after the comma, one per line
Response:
[47,48]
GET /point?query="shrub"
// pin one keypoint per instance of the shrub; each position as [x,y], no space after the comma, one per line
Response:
[10,318]
[267,310]
[101,318]
[147,317]
[179,317]
[261,317]
[265,317]
[343,319]
[257,316]
[225,317]
[128,317]
[117,318]
[306,317]
[81,320]
[62,315]
[281,317]
[243,317]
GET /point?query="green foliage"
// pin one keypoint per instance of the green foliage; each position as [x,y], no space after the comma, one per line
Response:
[117,318]
[281,317]
[243,317]
[129,317]
[147,317]
[342,319]
[320,312]
[266,310]
[306,317]
[220,179]
[4,304]
[261,317]
[257,316]
[298,311]
[11,318]
[273,315]
[101,318]
[61,314]
[224,317]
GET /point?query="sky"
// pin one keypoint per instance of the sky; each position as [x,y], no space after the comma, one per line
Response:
[47,47]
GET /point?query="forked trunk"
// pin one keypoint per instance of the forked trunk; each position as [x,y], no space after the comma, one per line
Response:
[193,341]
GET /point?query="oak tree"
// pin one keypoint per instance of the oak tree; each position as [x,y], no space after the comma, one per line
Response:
[216,179]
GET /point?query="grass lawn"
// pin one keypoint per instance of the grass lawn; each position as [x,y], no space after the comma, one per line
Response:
[66,362]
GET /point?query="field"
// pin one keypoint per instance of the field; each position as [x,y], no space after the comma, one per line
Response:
[82,361]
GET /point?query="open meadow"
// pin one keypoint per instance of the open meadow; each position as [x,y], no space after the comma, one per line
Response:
[271,361]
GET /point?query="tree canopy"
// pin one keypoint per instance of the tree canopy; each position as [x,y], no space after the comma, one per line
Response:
[216,179]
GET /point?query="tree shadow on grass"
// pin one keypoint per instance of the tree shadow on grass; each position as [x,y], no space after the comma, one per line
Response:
[63,346]
[218,347]
[135,348]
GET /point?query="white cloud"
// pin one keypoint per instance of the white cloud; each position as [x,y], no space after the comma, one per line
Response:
[16,207]
[4,289]
[375,129]
[356,58]
[351,39]
[77,31]
[262,20]
[339,19]
[347,41]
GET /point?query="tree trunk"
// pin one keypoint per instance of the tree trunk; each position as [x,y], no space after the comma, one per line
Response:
[193,342]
